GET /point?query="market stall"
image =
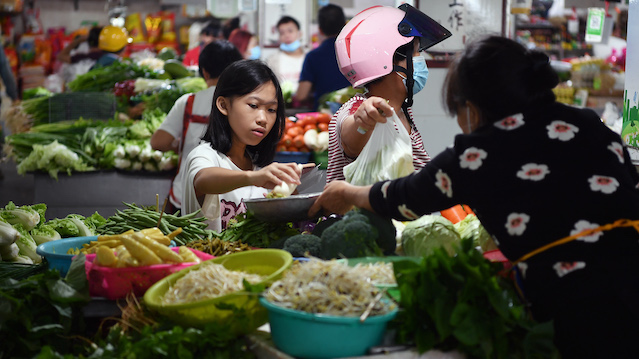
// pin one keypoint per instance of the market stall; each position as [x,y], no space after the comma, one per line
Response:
[92,265]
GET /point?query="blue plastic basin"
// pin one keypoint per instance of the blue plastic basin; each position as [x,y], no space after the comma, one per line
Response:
[56,255]
[316,336]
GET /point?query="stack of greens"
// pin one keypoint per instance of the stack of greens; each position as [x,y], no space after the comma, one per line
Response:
[23,228]
[461,303]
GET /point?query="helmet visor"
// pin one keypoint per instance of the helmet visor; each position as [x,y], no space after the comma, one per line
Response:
[416,23]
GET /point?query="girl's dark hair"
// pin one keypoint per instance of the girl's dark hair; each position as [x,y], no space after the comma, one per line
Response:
[216,56]
[238,79]
[500,77]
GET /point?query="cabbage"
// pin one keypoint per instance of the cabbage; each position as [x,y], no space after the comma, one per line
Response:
[421,236]
[470,227]
[53,158]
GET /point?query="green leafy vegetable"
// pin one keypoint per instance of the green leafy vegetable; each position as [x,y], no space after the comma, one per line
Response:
[255,233]
[102,79]
[53,158]
[470,227]
[24,215]
[461,303]
[423,235]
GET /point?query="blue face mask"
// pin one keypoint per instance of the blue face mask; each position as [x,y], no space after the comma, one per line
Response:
[255,53]
[420,74]
[290,47]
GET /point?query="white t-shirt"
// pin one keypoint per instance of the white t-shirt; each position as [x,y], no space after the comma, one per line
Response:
[174,125]
[286,67]
[217,208]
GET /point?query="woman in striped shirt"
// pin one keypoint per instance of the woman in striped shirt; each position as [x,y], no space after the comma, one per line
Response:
[374,53]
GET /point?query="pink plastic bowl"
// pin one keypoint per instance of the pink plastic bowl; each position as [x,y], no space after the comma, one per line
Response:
[116,283]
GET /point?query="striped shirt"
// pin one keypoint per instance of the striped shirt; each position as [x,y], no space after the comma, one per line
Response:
[337,159]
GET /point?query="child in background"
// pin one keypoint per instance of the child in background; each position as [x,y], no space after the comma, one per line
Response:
[234,161]
[185,124]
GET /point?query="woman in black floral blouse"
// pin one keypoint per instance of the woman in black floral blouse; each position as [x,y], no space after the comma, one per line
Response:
[534,171]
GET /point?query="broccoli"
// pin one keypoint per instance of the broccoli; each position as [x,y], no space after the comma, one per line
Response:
[351,237]
[301,244]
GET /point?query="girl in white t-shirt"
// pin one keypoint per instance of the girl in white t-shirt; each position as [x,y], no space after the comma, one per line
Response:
[234,161]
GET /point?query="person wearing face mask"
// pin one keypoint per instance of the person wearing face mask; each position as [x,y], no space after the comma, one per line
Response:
[379,49]
[553,186]
[287,63]
[246,43]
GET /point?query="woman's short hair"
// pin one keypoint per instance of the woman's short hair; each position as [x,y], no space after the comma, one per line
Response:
[500,77]
[238,79]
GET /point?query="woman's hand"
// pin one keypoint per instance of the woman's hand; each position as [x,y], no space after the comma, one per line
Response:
[340,197]
[276,173]
[357,128]
[370,112]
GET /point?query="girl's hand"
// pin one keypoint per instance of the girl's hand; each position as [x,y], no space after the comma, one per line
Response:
[339,197]
[372,110]
[276,173]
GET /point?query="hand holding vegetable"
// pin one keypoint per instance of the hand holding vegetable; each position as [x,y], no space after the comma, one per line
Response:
[339,197]
[275,174]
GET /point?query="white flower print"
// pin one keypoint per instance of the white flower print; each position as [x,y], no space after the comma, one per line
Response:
[523,266]
[563,268]
[510,122]
[406,212]
[583,225]
[533,172]
[444,184]
[385,188]
[561,130]
[617,149]
[472,158]
[604,184]
[516,223]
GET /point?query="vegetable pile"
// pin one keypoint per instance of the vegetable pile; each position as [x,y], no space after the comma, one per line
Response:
[460,303]
[137,218]
[23,228]
[326,287]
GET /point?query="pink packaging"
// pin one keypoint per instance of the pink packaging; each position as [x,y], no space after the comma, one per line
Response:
[116,283]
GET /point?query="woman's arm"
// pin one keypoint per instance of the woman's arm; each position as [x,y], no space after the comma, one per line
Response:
[357,128]
[340,197]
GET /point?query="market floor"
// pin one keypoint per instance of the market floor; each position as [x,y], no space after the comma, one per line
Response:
[14,187]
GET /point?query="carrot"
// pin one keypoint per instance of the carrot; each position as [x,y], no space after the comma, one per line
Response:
[454,214]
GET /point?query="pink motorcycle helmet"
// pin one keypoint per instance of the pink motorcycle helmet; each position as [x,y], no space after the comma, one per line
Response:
[366,45]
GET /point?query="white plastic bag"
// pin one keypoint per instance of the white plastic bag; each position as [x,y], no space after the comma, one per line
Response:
[388,154]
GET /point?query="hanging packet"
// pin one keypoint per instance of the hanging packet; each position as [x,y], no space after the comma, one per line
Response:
[387,155]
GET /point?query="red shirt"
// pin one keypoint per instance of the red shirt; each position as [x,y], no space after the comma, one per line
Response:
[191,58]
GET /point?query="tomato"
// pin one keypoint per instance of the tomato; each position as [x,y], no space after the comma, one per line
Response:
[281,148]
[323,118]
[286,140]
[298,141]
[295,131]
[309,127]
[292,149]
[289,124]
[322,126]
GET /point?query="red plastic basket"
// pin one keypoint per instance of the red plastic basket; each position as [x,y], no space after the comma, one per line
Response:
[116,283]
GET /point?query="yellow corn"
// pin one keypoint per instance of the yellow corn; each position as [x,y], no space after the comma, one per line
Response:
[187,255]
[105,257]
[161,250]
[174,233]
[139,251]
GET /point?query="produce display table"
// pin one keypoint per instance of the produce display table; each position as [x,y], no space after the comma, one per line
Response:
[102,191]
[263,348]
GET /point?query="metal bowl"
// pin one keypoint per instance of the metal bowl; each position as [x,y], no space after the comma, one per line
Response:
[288,209]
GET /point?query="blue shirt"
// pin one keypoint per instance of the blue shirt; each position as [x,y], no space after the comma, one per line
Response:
[321,69]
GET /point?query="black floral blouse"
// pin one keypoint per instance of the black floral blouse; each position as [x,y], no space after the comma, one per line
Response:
[532,179]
